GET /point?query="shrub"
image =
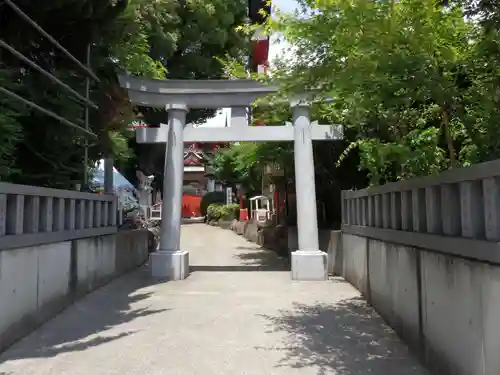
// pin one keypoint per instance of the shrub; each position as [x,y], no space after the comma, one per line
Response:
[230,211]
[225,212]
[214,212]
[217,197]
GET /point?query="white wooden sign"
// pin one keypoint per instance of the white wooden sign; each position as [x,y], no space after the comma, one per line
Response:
[229,195]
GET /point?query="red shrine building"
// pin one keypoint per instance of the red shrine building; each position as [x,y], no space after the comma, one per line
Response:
[198,179]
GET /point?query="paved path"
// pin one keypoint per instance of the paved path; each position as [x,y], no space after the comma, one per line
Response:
[237,314]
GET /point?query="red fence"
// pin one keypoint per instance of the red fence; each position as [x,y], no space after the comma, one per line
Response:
[191,205]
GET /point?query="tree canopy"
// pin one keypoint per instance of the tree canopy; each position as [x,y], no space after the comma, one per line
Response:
[157,39]
[415,83]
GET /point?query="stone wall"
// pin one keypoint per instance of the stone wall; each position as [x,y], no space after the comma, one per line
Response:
[248,229]
[445,307]
[269,237]
[426,255]
[37,282]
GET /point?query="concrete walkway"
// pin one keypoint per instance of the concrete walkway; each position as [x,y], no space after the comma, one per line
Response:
[238,313]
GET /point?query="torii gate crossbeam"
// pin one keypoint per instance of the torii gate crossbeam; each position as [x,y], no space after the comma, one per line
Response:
[177,96]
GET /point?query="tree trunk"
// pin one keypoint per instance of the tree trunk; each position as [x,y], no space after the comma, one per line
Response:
[449,139]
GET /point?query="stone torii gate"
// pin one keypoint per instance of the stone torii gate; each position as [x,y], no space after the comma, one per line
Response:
[177,96]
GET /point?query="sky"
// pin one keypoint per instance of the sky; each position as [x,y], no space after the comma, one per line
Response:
[275,49]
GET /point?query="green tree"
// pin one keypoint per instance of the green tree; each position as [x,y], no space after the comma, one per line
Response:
[413,81]
[238,164]
[51,154]
[164,38]
[194,38]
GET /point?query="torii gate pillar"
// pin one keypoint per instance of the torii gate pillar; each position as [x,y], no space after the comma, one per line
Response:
[308,262]
[170,260]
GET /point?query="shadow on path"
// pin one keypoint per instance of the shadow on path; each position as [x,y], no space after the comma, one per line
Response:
[262,257]
[232,269]
[346,338]
[251,258]
[90,321]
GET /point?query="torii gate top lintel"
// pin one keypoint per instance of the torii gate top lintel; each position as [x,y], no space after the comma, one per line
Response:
[237,94]
[194,93]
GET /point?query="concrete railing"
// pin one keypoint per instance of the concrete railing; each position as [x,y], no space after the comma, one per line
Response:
[456,212]
[55,246]
[32,215]
[425,253]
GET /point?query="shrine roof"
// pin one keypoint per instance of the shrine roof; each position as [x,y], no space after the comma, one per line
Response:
[194,156]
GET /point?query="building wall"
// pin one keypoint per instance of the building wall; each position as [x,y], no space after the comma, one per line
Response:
[196,179]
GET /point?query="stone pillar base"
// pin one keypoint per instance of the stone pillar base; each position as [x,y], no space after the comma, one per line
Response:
[169,265]
[309,265]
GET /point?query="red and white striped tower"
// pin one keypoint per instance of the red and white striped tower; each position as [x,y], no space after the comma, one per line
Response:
[260,52]
[260,42]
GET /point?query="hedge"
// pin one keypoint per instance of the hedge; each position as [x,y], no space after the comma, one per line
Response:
[213,197]
[225,212]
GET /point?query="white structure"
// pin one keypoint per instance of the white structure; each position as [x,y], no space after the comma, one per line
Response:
[211,185]
[108,177]
[260,208]
[229,195]
[155,212]
[145,193]
[177,96]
